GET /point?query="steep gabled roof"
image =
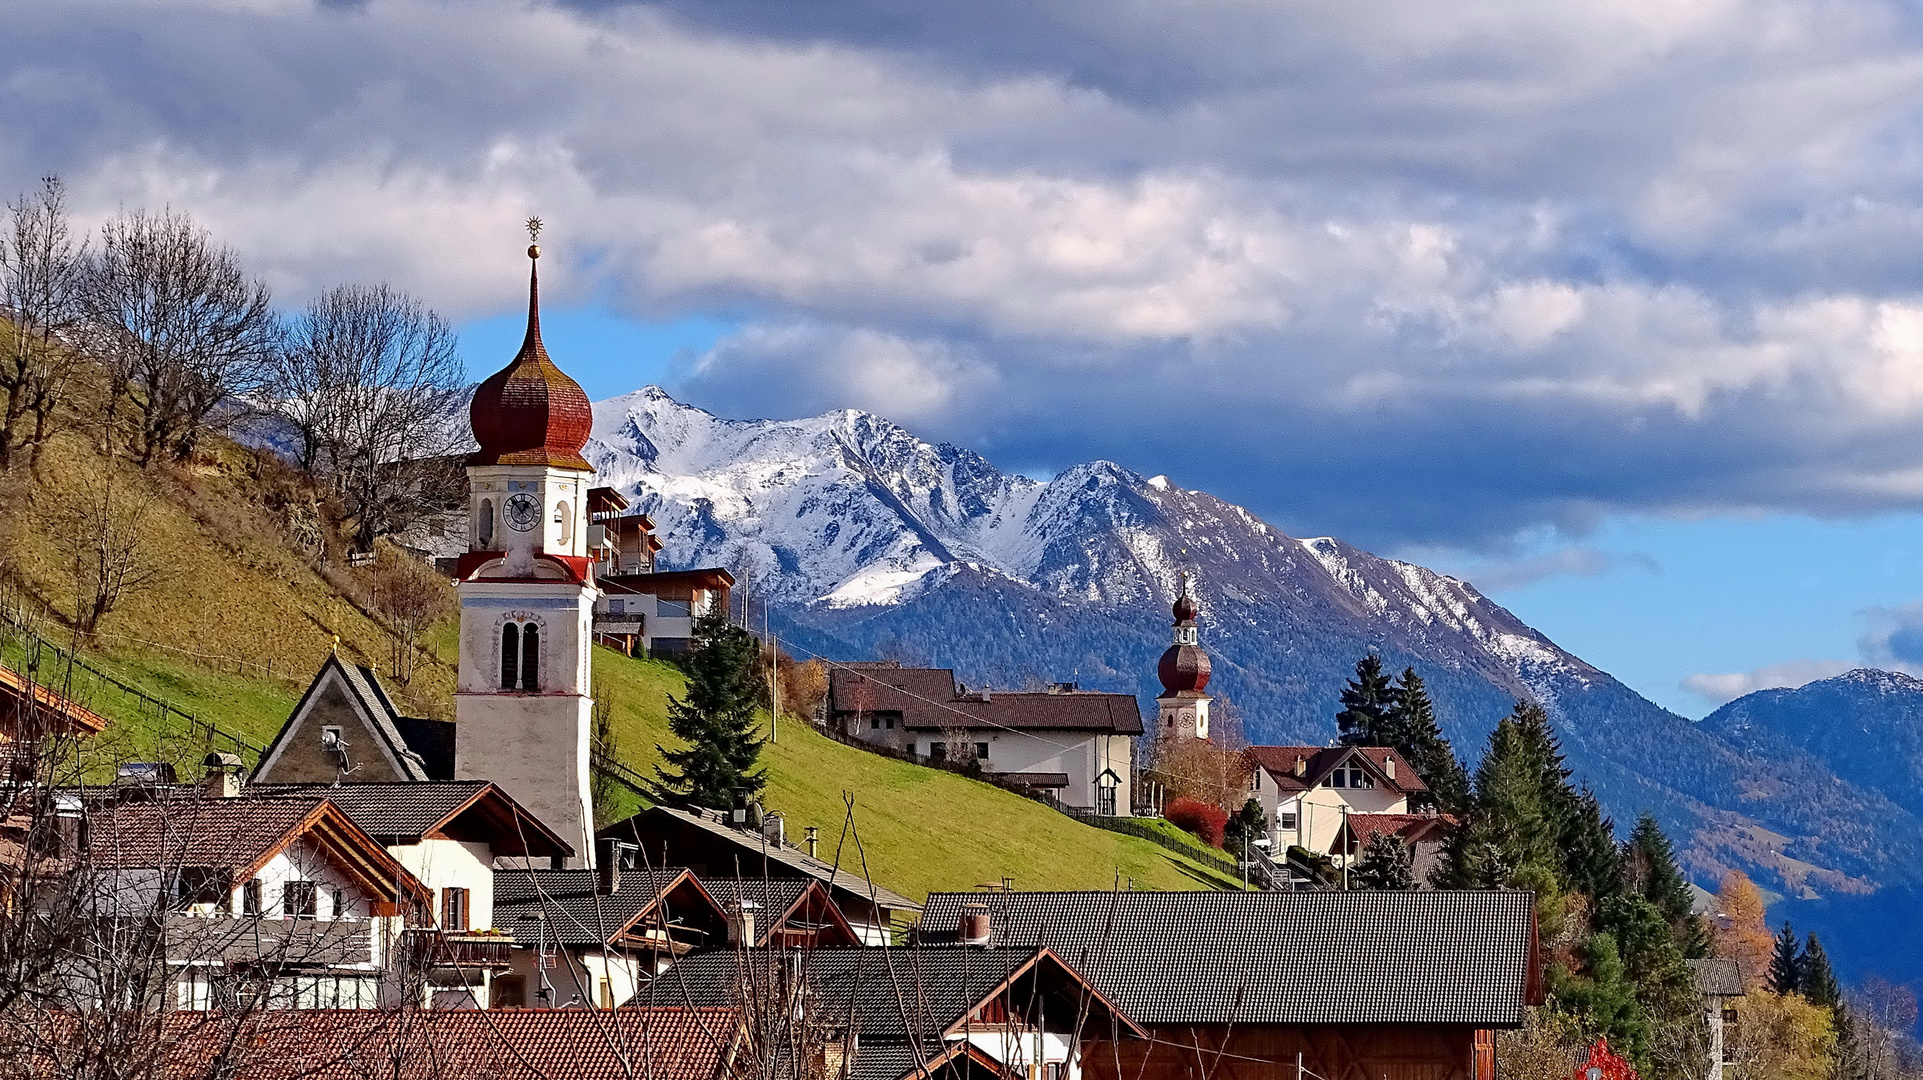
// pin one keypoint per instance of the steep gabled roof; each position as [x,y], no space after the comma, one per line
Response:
[395,736]
[1466,958]
[1717,978]
[66,713]
[654,823]
[578,915]
[1319,761]
[406,812]
[782,900]
[181,827]
[1412,828]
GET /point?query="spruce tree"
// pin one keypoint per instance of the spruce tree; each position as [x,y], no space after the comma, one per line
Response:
[1509,835]
[1649,865]
[715,718]
[1590,862]
[1606,1000]
[1412,728]
[1786,963]
[1366,702]
[1817,980]
[1386,864]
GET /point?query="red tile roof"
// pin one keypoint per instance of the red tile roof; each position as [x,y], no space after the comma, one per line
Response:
[663,1043]
[1320,761]
[78,718]
[1412,828]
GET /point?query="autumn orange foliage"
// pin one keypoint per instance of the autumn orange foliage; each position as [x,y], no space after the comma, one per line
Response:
[1742,934]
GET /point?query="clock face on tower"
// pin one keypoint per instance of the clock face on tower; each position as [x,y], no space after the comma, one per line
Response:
[521,511]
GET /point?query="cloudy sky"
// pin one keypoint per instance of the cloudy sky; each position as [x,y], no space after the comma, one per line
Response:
[1614,307]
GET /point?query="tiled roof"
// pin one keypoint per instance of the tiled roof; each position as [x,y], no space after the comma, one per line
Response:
[1320,761]
[927,700]
[841,880]
[1717,978]
[365,689]
[666,1043]
[1278,957]
[50,704]
[181,829]
[1412,828]
[576,914]
[775,895]
[403,811]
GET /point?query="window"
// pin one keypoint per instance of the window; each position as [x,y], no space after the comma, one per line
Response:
[565,520]
[1255,780]
[607,993]
[454,910]
[981,751]
[874,721]
[1349,776]
[938,751]
[530,657]
[250,898]
[510,656]
[674,609]
[1729,1017]
[339,904]
[196,885]
[1285,819]
[520,656]
[486,525]
[300,899]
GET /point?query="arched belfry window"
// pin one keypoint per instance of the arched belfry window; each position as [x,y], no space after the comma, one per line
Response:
[520,656]
[565,520]
[486,525]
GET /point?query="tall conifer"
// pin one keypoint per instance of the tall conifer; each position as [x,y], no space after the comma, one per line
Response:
[1590,862]
[1786,963]
[1366,702]
[715,718]
[1414,732]
[1649,866]
[1819,984]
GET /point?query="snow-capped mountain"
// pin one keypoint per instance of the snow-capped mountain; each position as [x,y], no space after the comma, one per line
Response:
[865,540]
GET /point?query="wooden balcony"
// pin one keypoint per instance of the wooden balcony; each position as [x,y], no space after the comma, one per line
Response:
[439,949]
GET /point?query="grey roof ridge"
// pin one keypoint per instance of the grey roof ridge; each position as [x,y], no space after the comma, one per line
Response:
[825,872]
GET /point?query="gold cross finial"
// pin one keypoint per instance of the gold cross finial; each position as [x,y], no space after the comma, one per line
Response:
[534,233]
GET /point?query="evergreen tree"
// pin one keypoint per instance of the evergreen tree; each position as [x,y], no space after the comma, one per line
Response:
[1413,730]
[1366,702]
[1606,1000]
[1591,864]
[1786,963]
[716,718]
[1245,826]
[1386,864]
[1818,981]
[1542,752]
[1649,867]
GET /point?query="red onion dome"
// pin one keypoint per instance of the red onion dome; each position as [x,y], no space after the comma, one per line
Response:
[530,412]
[1184,608]
[1184,669]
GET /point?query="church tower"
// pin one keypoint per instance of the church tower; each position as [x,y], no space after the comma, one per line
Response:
[1183,709]
[521,705]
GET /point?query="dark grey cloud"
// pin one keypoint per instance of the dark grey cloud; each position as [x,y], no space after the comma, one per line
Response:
[1408,272]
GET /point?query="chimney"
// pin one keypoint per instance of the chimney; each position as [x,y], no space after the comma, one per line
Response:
[774,830]
[1389,766]
[987,695]
[1301,765]
[814,837]
[607,867]
[223,776]
[975,925]
[741,923]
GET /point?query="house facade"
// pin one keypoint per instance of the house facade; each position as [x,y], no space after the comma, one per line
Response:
[1310,792]
[1072,743]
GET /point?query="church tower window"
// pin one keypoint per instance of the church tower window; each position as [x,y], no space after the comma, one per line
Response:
[487,524]
[510,656]
[520,656]
[565,520]
[530,657]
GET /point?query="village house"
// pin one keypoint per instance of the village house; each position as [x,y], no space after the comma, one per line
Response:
[1309,793]
[643,611]
[592,937]
[1073,744]
[345,729]
[450,834]
[1243,986]
[32,716]
[284,888]
[973,1014]
[718,848]
[1422,834]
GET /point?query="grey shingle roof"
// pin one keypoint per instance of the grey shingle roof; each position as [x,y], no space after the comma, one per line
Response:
[841,881]
[928,699]
[576,914]
[1278,957]
[1717,978]
[402,811]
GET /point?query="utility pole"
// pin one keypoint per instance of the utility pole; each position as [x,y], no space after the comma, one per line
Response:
[774,691]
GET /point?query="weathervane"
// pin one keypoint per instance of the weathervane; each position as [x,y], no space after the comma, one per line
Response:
[534,235]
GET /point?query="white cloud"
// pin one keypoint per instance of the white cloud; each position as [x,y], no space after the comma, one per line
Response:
[1720,689]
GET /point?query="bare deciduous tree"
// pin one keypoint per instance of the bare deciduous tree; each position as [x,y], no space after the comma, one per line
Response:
[104,532]
[181,329]
[368,377]
[40,293]
[412,598]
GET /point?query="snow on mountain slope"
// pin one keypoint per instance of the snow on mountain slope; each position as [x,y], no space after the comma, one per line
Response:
[864,540]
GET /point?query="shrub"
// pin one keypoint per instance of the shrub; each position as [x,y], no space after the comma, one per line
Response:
[1205,821]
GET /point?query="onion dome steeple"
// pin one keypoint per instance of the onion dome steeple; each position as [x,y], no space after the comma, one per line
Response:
[530,412]
[1184,668]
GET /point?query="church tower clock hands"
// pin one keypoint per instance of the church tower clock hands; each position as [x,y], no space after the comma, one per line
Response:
[526,589]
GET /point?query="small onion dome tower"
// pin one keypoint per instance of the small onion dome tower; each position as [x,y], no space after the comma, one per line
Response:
[1183,708]
[527,591]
